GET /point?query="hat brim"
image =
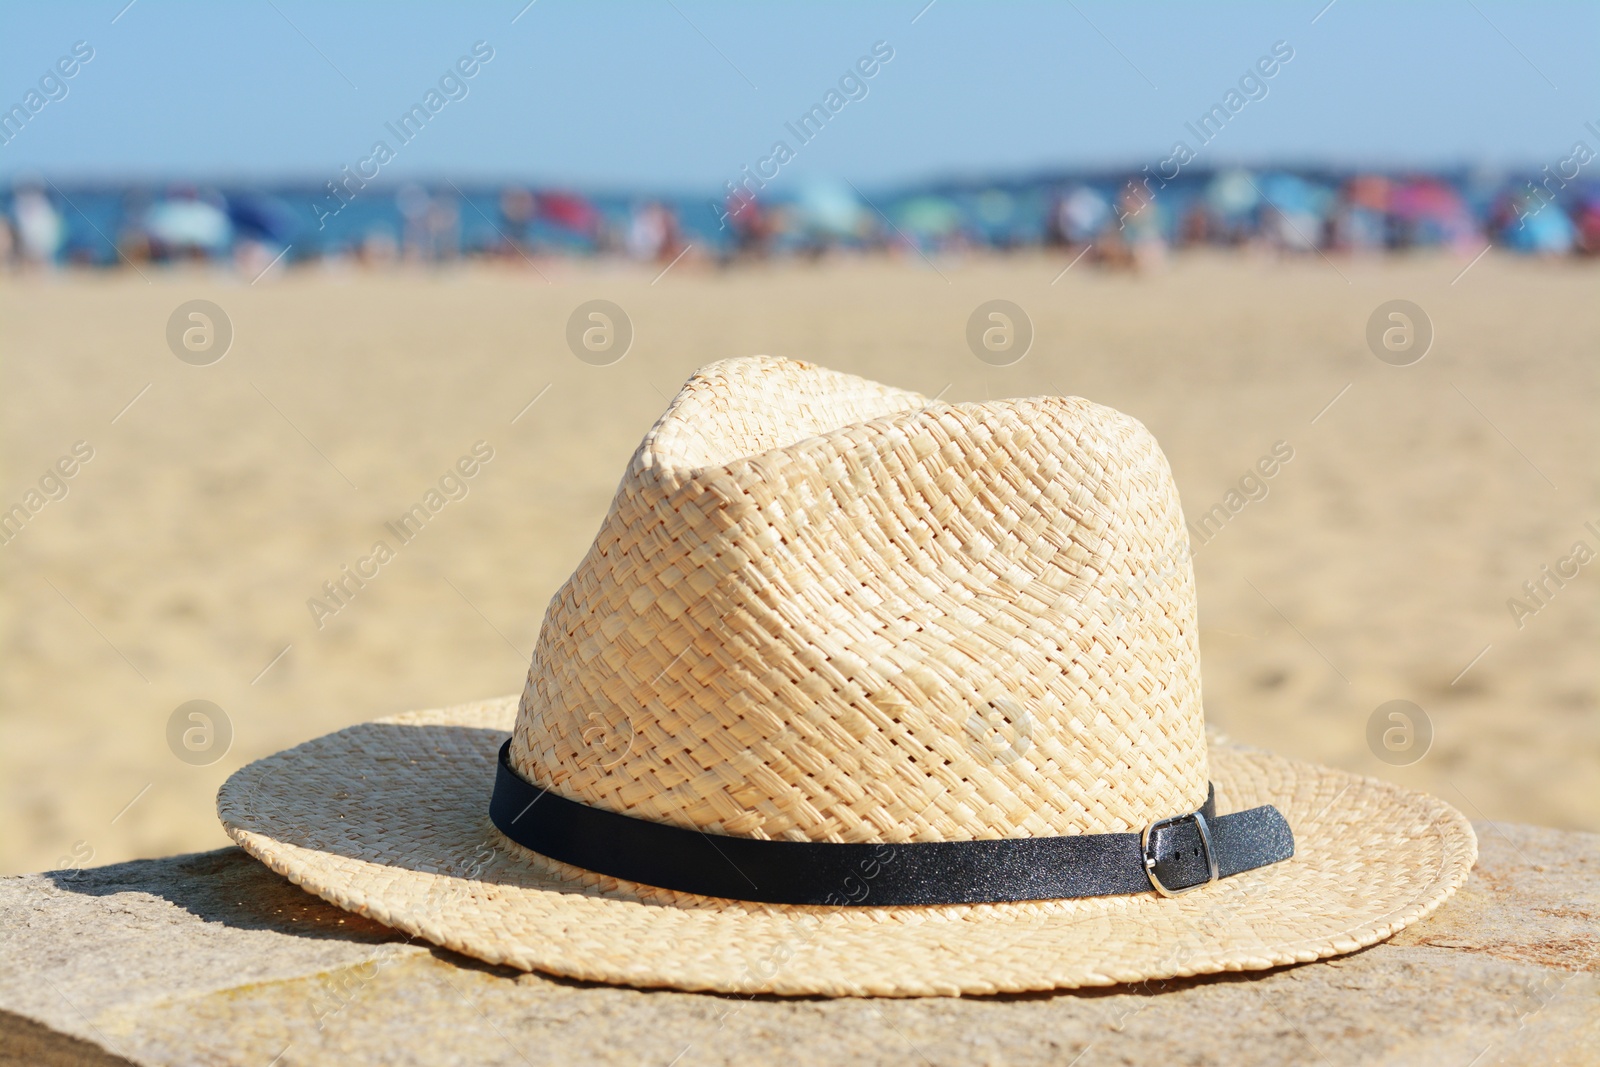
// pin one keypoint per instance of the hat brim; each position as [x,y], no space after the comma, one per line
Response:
[389,819]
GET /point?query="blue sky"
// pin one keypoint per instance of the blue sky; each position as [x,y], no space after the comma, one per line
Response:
[677,95]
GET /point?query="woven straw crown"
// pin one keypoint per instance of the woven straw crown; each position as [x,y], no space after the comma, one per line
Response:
[825,609]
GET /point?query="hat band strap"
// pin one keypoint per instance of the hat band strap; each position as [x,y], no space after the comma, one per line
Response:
[1172,855]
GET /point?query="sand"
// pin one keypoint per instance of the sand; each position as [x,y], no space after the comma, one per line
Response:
[179,563]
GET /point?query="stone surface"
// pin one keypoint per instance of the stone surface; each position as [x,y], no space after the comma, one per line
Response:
[210,958]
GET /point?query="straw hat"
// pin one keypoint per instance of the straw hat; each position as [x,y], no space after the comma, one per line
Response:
[859,693]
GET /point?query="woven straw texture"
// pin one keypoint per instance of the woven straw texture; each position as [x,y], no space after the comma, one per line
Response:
[389,820]
[824,609]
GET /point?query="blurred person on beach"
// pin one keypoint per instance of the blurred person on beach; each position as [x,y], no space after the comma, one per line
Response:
[517,209]
[432,226]
[753,226]
[1359,220]
[1136,240]
[653,233]
[1587,224]
[1076,218]
[378,248]
[1231,200]
[40,228]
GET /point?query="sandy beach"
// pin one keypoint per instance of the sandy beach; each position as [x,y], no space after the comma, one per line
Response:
[207,505]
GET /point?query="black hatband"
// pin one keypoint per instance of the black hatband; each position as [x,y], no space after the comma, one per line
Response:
[1187,849]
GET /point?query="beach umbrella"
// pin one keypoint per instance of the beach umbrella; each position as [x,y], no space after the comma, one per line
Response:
[1231,194]
[995,207]
[1426,198]
[831,208]
[1294,195]
[1083,214]
[188,223]
[1299,208]
[256,216]
[1370,191]
[1543,229]
[569,211]
[1434,211]
[928,216]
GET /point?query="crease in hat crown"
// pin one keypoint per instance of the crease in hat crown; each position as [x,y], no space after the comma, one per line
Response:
[824,609]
